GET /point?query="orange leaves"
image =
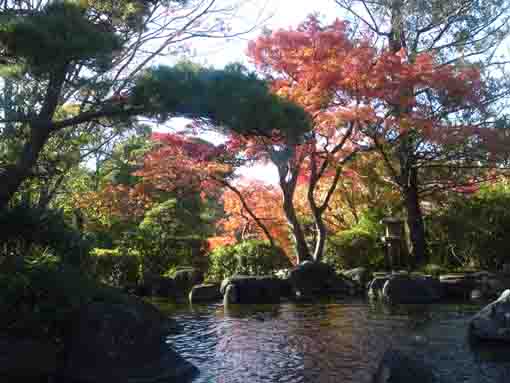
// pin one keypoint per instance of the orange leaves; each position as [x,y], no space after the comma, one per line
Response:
[182,164]
[265,201]
[321,68]
[114,202]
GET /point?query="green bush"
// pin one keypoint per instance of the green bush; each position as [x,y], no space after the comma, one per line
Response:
[168,236]
[24,228]
[433,269]
[252,257]
[358,247]
[115,267]
[39,295]
[472,232]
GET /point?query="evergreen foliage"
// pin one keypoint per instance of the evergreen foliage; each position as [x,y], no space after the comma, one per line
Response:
[24,228]
[472,231]
[252,257]
[358,246]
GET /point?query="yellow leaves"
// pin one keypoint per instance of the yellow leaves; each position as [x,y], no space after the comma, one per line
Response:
[67,111]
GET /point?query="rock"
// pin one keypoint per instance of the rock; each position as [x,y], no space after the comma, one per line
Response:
[205,293]
[457,286]
[185,279]
[360,275]
[375,287]
[319,279]
[397,367]
[123,342]
[26,360]
[157,286]
[478,285]
[250,289]
[493,321]
[406,289]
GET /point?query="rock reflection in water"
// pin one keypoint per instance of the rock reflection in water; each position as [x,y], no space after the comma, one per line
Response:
[329,342]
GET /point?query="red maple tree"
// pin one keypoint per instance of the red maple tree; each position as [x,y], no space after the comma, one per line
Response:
[365,97]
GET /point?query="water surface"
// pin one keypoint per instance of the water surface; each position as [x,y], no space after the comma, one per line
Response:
[331,342]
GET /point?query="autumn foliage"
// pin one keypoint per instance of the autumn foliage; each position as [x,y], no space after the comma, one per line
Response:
[265,201]
[338,79]
[363,96]
[184,164]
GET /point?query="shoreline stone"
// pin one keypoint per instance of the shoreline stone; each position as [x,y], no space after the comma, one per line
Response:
[205,293]
[124,342]
[399,367]
[241,289]
[493,321]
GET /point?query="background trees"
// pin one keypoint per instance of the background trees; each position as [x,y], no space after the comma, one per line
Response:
[417,112]
[465,34]
[98,78]
[361,118]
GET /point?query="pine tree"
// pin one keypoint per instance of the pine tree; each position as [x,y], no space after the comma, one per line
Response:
[77,66]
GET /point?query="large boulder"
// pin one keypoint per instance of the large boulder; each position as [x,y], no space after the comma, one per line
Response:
[493,321]
[360,275]
[398,367]
[375,287]
[185,279]
[457,286]
[157,286]
[26,360]
[205,293]
[407,289]
[481,284]
[319,279]
[123,342]
[252,289]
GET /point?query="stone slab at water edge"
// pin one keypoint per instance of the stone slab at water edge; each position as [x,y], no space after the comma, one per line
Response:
[253,290]
[398,367]
[123,343]
[493,321]
[205,293]
[403,288]
[320,279]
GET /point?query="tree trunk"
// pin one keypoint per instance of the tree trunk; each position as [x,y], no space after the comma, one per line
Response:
[302,251]
[415,222]
[250,212]
[321,237]
[11,177]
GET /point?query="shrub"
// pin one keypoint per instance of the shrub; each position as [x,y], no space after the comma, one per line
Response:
[24,228]
[163,238]
[356,247]
[473,231]
[433,269]
[115,267]
[39,296]
[252,257]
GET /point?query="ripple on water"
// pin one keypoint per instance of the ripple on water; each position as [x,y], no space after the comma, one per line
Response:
[340,342]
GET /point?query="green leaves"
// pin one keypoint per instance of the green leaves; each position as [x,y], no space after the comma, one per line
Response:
[252,257]
[229,98]
[60,34]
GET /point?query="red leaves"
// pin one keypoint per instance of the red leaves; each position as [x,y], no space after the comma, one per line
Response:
[265,201]
[183,163]
[321,68]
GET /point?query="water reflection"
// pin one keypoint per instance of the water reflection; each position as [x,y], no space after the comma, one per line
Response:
[331,342]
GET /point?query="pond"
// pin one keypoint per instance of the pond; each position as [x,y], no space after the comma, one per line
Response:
[330,342]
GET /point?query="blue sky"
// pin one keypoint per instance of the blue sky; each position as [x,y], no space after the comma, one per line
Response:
[276,14]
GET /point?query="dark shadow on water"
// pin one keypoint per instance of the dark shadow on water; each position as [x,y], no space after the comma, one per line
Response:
[489,351]
[256,312]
